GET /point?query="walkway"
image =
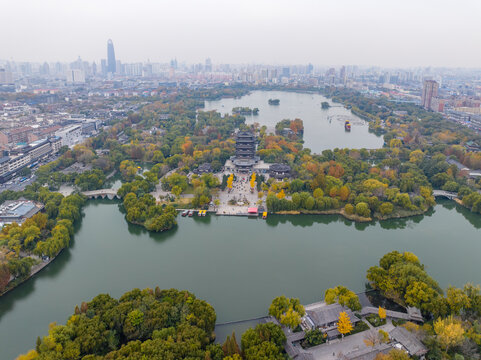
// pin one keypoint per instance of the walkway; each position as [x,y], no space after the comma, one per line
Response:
[349,344]
[446,194]
[102,193]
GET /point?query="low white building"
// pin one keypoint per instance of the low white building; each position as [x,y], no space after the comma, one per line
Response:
[70,135]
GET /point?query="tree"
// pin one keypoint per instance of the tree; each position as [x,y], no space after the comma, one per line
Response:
[394,354]
[253,180]
[449,332]
[373,338]
[291,318]
[386,208]
[344,193]
[176,190]
[349,209]
[457,300]
[344,325]
[382,313]
[288,311]
[343,296]
[31,355]
[230,346]
[141,324]
[281,194]
[416,156]
[230,180]
[265,341]
[4,276]
[362,209]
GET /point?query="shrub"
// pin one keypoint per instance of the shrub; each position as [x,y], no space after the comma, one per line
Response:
[349,209]
[362,209]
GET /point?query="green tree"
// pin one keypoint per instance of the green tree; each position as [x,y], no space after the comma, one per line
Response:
[362,209]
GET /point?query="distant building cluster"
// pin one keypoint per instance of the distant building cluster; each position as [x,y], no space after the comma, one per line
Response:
[28,135]
[28,155]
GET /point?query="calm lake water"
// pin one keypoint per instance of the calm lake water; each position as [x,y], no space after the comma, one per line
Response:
[237,264]
[323,129]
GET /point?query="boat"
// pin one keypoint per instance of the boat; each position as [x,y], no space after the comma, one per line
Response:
[347,125]
[264,215]
[191,213]
[204,212]
[199,213]
[185,212]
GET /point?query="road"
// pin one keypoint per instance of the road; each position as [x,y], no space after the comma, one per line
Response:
[16,185]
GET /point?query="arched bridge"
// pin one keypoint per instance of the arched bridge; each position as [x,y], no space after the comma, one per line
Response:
[101,194]
[446,194]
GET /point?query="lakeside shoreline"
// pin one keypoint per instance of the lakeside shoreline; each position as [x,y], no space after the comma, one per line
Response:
[352,217]
[34,272]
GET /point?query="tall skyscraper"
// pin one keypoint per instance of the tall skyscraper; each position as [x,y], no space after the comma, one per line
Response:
[430,91]
[111,63]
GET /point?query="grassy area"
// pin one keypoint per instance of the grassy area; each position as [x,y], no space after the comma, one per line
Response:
[313,338]
[375,320]
[398,322]
[178,203]
[359,327]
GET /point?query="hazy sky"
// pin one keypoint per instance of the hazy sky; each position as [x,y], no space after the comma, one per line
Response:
[324,32]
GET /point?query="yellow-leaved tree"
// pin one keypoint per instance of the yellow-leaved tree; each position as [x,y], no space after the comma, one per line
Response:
[382,313]
[32,354]
[344,325]
[281,194]
[230,180]
[449,332]
[253,180]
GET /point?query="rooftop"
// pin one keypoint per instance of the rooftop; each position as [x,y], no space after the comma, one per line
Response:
[328,314]
[18,210]
[407,339]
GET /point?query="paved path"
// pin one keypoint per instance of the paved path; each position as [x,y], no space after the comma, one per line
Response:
[349,344]
[241,192]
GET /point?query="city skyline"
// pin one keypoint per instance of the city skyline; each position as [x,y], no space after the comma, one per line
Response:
[372,33]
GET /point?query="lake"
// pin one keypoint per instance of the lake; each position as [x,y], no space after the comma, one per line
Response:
[235,263]
[323,129]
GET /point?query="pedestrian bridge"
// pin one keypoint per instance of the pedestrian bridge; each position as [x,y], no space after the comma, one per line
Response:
[102,194]
[446,194]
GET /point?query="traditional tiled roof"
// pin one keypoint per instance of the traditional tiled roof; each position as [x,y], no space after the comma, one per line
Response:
[407,339]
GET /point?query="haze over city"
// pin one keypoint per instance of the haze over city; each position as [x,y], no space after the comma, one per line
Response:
[240,180]
[381,33]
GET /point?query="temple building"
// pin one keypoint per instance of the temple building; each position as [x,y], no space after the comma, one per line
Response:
[245,151]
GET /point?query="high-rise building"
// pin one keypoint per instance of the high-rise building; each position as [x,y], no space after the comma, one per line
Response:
[75,76]
[111,63]
[430,90]
[5,77]
[208,65]
[103,66]
[342,75]
[309,68]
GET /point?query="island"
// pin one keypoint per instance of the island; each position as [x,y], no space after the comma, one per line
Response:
[274,101]
[325,105]
[245,111]
[396,318]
